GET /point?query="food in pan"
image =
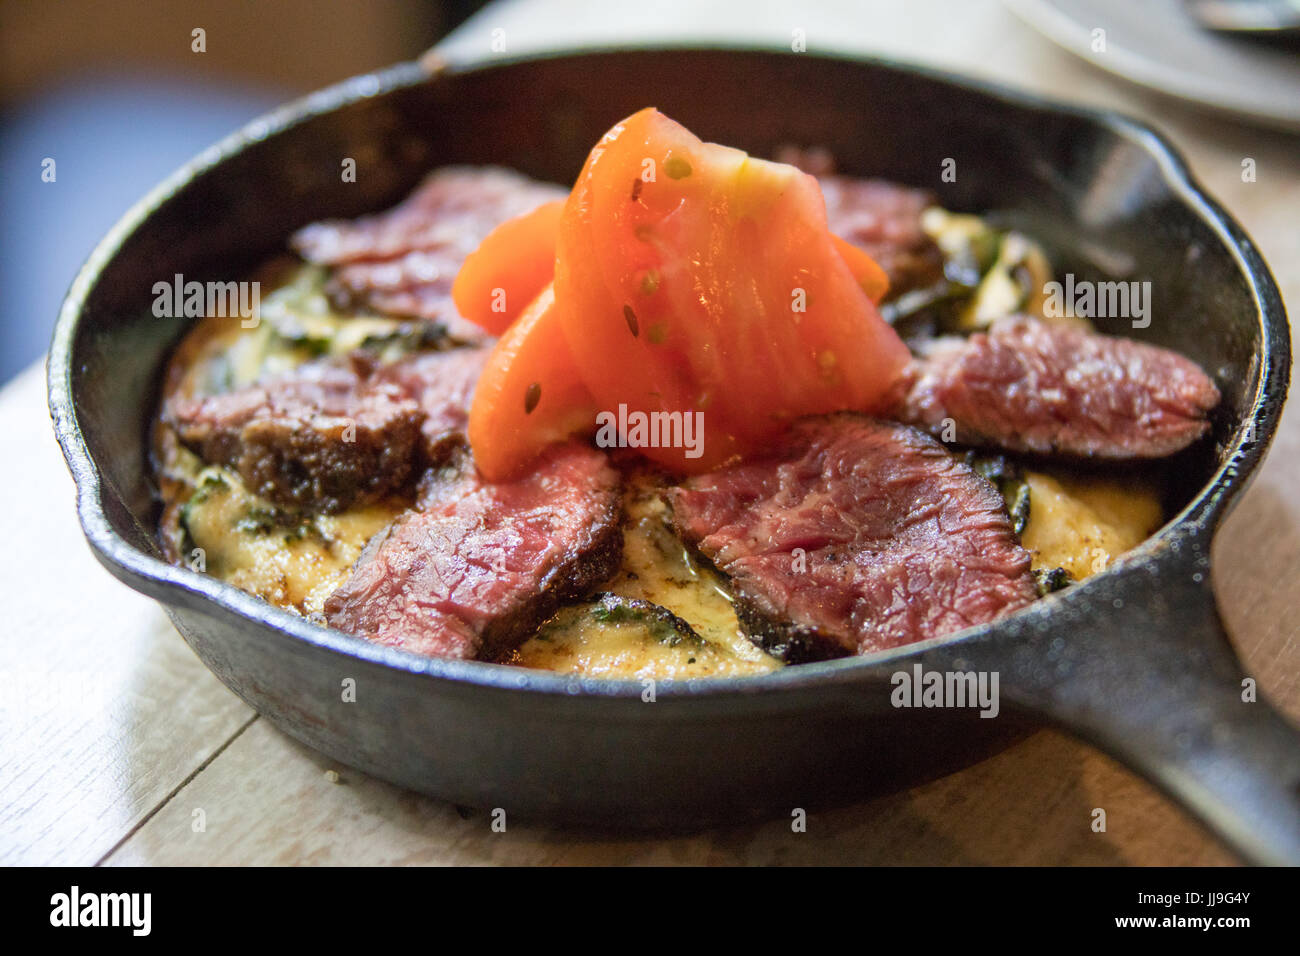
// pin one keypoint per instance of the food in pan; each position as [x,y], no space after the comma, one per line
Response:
[701,415]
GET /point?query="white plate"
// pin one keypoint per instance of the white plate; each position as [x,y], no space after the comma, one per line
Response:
[1157,44]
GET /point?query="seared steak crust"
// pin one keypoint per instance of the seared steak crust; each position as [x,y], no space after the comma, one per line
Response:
[333,434]
[404,261]
[1032,386]
[855,535]
[478,566]
[323,438]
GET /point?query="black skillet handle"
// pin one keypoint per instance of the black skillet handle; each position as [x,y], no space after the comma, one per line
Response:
[1142,668]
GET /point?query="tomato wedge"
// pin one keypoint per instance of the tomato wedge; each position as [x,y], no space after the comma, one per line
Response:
[529,395]
[509,269]
[872,278]
[516,261]
[695,278]
[693,286]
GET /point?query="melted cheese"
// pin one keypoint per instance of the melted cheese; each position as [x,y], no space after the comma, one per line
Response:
[576,642]
[656,568]
[295,563]
[296,324]
[1083,523]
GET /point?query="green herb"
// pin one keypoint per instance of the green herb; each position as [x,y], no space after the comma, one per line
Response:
[262,519]
[258,520]
[630,317]
[532,397]
[662,625]
[1017,497]
[610,613]
[1006,476]
[1054,580]
[209,484]
[314,346]
[994,468]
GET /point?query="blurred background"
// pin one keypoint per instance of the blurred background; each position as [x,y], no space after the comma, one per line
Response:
[115,94]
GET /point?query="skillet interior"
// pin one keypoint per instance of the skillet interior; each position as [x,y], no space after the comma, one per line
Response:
[592,752]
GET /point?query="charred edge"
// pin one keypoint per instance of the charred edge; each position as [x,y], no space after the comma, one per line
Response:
[442,449]
[306,469]
[595,564]
[784,640]
[278,464]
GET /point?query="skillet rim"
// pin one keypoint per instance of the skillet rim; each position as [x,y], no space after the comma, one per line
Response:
[175,586]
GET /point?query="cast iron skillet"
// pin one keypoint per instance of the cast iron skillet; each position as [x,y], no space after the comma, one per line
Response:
[1135,660]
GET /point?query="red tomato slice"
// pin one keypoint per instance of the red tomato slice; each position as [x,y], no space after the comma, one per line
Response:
[696,278]
[509,269]
[872,278]
[529,395]
[516,261]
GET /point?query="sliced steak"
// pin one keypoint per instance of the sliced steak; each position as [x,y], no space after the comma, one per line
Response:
[442,383]
[475,570]
[332,434]
[403,261]
[1033,386]
[855,535]
[884,219]
[324,438]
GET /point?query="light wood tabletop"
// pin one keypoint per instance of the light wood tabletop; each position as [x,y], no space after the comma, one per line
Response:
[115,741]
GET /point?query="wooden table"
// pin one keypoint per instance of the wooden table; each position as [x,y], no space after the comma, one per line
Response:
[115,741]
